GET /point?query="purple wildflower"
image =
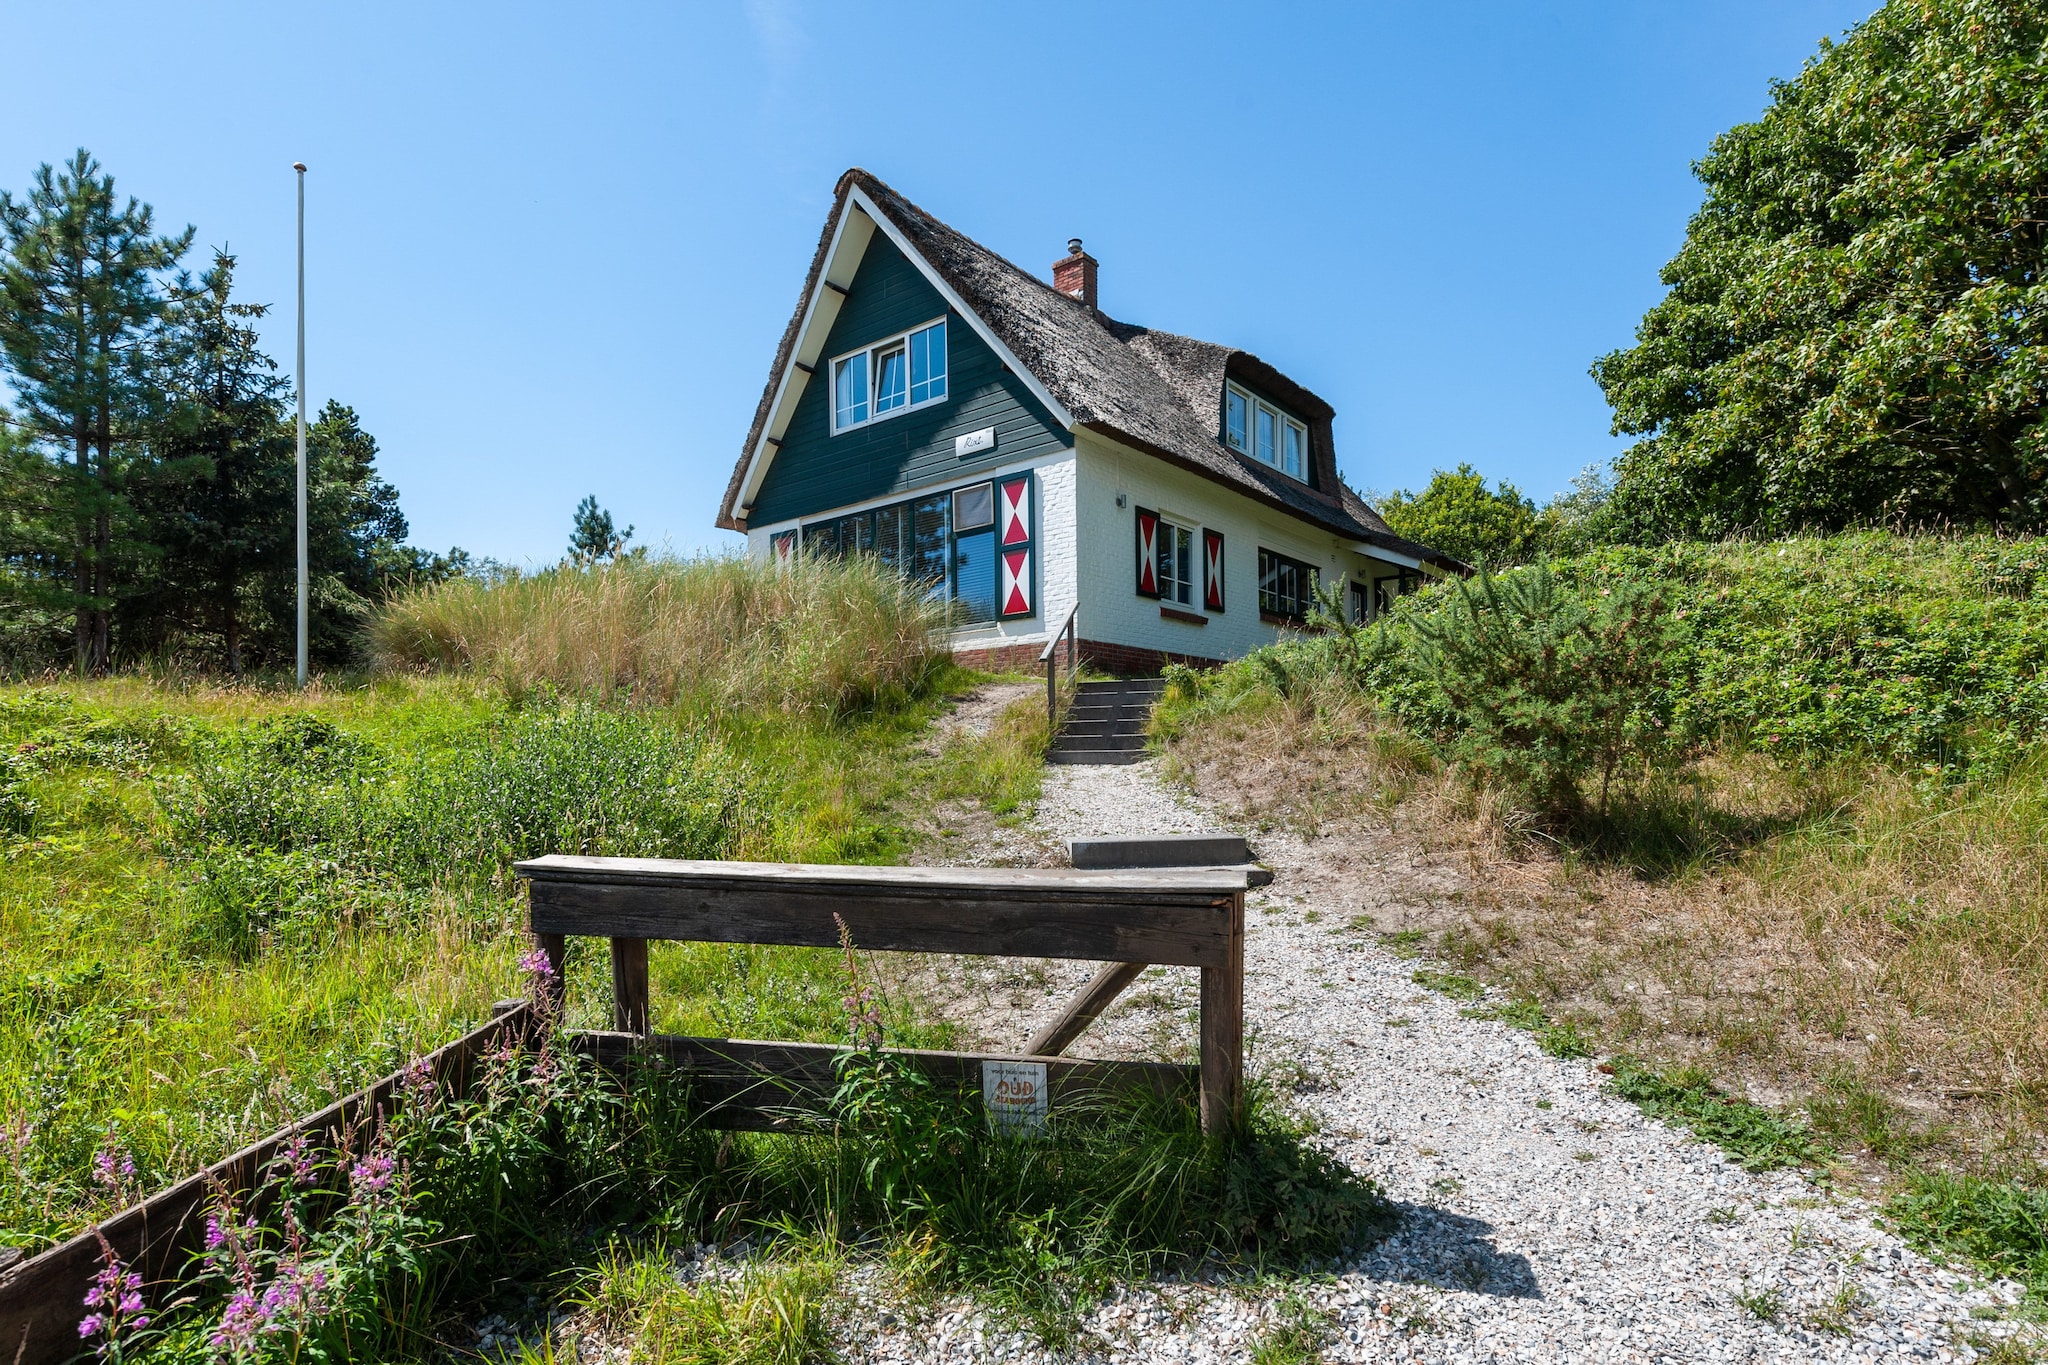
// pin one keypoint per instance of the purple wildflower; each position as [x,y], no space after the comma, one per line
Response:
[296,1157]
[112,1167]
[371,1175]
[537,967]
[116,1295]
[239,1324]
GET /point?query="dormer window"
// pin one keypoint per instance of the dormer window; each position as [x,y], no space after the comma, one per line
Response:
[1264,432]
[897,375]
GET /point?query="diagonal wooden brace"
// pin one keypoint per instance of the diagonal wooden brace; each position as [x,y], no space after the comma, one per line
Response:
[1081,1011]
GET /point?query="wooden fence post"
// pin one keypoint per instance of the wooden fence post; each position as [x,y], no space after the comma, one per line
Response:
[629,985]
[1223,1031]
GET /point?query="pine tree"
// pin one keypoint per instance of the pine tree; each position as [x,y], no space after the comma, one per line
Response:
[220,505]
[80,302]
[593,536]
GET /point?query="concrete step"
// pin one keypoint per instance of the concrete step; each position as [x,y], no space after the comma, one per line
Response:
[1094,756]
[1097,741]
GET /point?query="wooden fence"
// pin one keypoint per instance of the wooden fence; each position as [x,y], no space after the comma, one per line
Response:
[1129,919]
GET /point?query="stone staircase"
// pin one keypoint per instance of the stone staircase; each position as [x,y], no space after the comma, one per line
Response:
[1106,723]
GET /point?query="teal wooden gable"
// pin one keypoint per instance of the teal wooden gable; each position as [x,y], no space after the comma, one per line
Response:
[815,471]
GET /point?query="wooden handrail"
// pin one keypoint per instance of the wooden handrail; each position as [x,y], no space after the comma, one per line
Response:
[1048,657]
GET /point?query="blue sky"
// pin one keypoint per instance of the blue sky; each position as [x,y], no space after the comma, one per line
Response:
[552,247]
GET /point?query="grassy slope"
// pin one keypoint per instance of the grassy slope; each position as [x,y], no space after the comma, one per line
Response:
[1838,905]
[118,1022]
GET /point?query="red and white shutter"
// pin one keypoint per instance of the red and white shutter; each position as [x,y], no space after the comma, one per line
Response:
[1212,570]
[1015,586]
[1148,553]
[782,548]
[1013,511]
[1015,592]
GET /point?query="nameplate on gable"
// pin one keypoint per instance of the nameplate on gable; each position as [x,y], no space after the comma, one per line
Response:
[974,442]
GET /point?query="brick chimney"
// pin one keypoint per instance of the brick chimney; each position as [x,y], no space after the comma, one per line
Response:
[1074,275]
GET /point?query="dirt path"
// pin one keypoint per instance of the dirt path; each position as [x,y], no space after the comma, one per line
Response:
[1541,1218]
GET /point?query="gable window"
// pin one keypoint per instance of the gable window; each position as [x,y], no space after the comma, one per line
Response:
[899,374]
[1286,586]
[1265,433]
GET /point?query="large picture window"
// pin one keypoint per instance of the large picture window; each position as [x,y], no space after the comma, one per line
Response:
[1286,586]
[897,375]
[953,542]
[1265,433]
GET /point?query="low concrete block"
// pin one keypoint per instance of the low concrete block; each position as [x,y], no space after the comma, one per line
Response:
[1165,850]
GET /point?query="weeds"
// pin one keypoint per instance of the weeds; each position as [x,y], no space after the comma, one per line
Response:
[1299,1331]
[1449,983]
[1765,1305]
[1758,1138]
[2002,1226]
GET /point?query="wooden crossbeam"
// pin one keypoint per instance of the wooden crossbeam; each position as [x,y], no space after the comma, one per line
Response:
[1095,997]
[775,1087]
[1177,917]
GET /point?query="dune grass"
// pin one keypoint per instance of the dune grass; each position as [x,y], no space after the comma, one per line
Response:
[710,632]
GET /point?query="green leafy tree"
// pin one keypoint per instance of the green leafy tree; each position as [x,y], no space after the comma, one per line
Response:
[593,536]
[221,507]
[1459,515]
[1857,324]
[81,297]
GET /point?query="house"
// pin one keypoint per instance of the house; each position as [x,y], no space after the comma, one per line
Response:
[1029,456]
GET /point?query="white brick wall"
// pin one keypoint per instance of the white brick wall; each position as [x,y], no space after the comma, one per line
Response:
[1113,612]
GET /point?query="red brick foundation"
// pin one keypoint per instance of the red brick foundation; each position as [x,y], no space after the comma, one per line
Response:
[1123,660]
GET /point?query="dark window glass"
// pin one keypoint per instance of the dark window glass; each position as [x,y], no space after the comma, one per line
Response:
[822,539]
[1284,585]
[857,534]
[974,576]
[892,535]
[928,527]
[974,507]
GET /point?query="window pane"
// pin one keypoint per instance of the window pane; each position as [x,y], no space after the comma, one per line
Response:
[1297,445]
[974,576]
[1268,438]
[892,381]
[974,507]
[928,363]
[928,526]
[1235,421]
[850,391]
[857,534]
[1184,564]
[821,539]
[891,527]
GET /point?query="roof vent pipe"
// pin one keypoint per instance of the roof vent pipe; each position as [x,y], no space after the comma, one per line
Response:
[1074,274]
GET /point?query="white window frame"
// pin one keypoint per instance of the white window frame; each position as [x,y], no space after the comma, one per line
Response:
[866,355]
[1283,422]
[1193,585]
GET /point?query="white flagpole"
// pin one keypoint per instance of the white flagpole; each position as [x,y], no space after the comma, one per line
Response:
[300,167]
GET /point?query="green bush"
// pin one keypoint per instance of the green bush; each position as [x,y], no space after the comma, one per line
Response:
[572,779]
[1527,681]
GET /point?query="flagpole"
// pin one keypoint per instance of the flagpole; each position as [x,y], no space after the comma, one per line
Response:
[300,167]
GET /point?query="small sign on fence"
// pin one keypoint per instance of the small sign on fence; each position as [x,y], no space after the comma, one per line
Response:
[1013,1093]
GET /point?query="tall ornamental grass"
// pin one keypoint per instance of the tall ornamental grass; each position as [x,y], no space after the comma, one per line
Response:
[825,637]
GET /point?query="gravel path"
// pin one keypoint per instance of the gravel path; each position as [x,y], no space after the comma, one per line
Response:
[1541,1220]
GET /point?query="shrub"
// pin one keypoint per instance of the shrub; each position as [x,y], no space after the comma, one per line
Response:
[1527,681]
[550,779]
[818,636]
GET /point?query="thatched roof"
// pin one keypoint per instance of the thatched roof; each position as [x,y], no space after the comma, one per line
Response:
[1155,391]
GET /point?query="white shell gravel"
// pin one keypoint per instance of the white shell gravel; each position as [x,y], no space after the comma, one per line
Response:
[1580,1232]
